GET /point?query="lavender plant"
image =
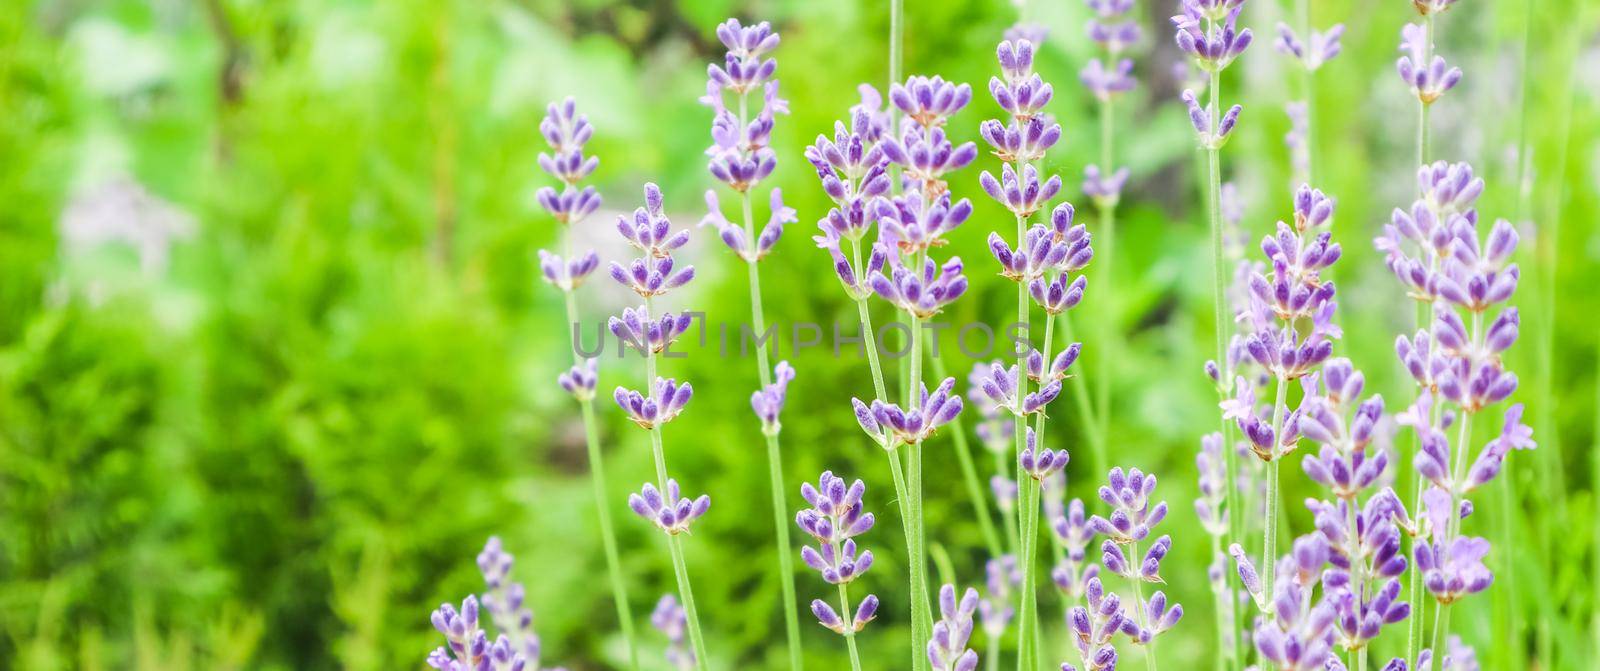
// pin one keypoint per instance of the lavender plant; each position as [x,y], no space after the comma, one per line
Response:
[567,132]
[947,648]
[1291,315]
[1207,31]
[467,646]
[1427,73]
[1042,263]
[1130,522]
[652,275]
[835,518]
[1436,251]
[741,156]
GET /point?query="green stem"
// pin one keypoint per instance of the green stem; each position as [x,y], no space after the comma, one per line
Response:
[608,534]
[1221,321]
[780,510]
[597,478]
[922,612]
[1269,549]
[1027,613]
[919,602]
[849,627]
[681,569]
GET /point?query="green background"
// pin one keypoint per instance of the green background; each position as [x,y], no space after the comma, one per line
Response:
[283,447]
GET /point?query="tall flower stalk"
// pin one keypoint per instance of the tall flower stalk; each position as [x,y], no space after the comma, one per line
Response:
[1310,54]
[1107,76]
[1132,518]
[741,156]
[1291,314]
[1206,30]
[1429,77]
[1046,264]
[653,274]
[1436,251]
[567,132]
[835,518]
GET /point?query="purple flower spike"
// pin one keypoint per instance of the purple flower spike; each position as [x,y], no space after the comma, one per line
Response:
[1094,627]
[668,511]
[927,155]
[567,274]
[1211,138]
[667,398]
[1427,78]
[911,225]
[1132,516]
[929,101]
[921,294]
[636,329]
[1023,194]
[768,402]
[1041,464]
[581,379]
[1212,47]
[1021,92]
[1105,190]
[835,517]
[650,277]
[670,619]
[1318,49]
[566,132]
[649,230]
[948,650]
[998,606]
[893,425]
[1020,141]
[734,236]
[1107,83]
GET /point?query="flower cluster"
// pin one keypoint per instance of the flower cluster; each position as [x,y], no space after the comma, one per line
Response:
[855,174]
[1071,528]
[835,518]
[768,401]
[467,645]
[1428,75]
[1114,32]
[567,132]
[948,650]
[1132,518]
[1207,31]
[1318,48]
[1095,625]
[670,512]
[889,425]
[669,618]
[1002,578]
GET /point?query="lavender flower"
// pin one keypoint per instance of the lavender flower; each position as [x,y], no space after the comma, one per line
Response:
[467,646]
[948,650]
[669,512]
[1210,507]
[827,617]
[1095,626]
[890,425]
[1297,632]
[930,101]
[994,429]
[1072,529]
[1001,386]
[1452,567]
[927,155]
[581,379]
[670,619]
[637,329]
[998,604]
[768,402]
[741,152]
[567,132]
[734,236]
[1428,78]
[1114,33]
[1132,516]
[910,225]
[921,293]
[649,229]
[667,398]
[1104,190]
[1038,463]
[836,516]
[1211,136]
[1207,31]
[1318,48]
[854,174]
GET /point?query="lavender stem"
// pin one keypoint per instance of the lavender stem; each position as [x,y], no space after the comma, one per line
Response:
[849,632]
[1269,551]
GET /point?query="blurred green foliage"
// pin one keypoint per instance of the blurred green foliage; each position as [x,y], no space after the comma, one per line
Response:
[281,447]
